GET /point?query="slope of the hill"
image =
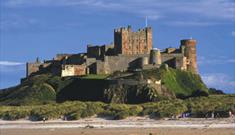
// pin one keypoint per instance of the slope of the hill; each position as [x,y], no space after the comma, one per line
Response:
[128,87]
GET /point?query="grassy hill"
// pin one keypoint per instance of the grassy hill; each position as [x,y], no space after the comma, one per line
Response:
[183,84]
[45,88]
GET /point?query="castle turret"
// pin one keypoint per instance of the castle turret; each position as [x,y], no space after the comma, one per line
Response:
[33,67]
[155,57]
[144,61]
[188,48]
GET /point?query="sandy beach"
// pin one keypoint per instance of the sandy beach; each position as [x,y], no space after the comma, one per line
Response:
[129,126]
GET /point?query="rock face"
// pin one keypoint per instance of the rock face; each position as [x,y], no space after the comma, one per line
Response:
[135,94]
[128,87]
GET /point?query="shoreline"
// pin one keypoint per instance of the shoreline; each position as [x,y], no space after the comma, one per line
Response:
[132,122]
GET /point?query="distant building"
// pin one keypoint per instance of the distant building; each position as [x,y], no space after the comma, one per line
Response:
[130,51]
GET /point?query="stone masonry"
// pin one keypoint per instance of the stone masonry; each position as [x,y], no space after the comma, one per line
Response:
[128,42]
[130,51]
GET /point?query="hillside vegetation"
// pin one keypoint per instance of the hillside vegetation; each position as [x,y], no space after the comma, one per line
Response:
[196,106]
[184,84]
[45,88]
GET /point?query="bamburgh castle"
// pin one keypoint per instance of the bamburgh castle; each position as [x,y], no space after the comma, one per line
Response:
[130,51]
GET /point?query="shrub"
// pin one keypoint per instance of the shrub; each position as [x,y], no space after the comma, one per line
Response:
[215,91]
[121,115]
[107,113]
[74,116]
[197,106]
[15,114]
[135,110]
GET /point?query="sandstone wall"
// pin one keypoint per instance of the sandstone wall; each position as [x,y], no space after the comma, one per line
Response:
[174,60]
[73,70]
[129,43]
[32,68]
[119,63]
[190,53]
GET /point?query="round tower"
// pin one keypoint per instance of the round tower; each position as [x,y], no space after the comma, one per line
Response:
[155,57]
[145,61]
[188,48]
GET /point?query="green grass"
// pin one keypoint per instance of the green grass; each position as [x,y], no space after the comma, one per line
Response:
[197,106]
[95,76]
[182,83]
[45,88]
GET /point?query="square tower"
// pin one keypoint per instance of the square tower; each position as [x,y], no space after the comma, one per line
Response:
[127,42]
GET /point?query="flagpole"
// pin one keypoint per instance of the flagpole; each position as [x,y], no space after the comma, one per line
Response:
[146,21]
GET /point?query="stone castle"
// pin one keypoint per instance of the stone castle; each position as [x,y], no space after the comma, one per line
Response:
[130,51]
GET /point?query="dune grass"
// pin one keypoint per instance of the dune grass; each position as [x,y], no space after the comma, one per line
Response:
[74,110]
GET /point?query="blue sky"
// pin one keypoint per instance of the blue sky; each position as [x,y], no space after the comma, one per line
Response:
[43,28]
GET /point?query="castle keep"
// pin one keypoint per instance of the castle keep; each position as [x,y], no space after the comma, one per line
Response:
[130,51]
[128,42]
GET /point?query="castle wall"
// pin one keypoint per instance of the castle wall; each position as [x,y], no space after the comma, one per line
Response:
[131,50]
[60,57]
[76,59]
[32,68]
[144,61]
[174,60]
[107,50]
[90,63]
[180,63]
[55,68]
[73,70]
[100,51]
[93,51]
[155,57]
[149,35]
[119,63]
[170,50]
[102,68]
[166,57]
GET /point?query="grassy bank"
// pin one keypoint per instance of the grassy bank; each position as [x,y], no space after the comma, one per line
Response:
[198,107]
[47,88]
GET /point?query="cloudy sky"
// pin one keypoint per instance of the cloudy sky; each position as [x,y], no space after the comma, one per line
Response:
[43,28]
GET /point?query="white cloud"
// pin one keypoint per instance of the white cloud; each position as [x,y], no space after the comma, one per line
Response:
[155,9]
[191,23]
[215,60]
[233,33]
[15,21]
[11,67]
[10,63]
[220,81]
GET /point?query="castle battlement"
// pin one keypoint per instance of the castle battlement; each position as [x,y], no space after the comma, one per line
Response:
[131,50]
